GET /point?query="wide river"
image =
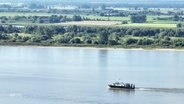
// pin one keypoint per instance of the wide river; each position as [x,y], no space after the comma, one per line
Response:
[37,75]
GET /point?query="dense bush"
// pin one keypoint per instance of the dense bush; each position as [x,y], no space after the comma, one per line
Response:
[124,36]
[138,18]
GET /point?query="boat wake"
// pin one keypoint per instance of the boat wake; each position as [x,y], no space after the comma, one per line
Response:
[166,90]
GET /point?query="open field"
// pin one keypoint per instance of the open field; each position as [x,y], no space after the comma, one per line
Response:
[103,23]
[79,23]
[117,23]
[12,14]
[166,22]
[149,25]
[96,23]
[112,21]
[150,18]
[111,18]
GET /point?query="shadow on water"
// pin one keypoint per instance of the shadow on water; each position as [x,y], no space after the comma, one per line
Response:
[103,58]
[164,90]
[119,91]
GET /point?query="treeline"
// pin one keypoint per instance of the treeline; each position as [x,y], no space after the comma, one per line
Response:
[172,18]
[120,31]
[80,35]
[46,19]
[41,19]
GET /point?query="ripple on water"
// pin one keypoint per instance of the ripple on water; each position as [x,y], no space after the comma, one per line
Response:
[15,94]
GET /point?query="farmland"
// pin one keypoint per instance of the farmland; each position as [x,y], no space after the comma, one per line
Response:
[127,28]
[97,20]
[154,25]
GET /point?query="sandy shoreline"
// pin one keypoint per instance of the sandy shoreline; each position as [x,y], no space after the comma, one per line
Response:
[96,48]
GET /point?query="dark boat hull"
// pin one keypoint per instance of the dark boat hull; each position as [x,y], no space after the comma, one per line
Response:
[121,87]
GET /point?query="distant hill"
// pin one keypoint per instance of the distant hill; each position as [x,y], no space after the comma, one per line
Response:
[92,0]
[100,1]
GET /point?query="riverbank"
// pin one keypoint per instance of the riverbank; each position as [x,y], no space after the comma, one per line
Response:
[100,47]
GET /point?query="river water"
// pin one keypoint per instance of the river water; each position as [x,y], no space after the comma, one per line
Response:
[37,75]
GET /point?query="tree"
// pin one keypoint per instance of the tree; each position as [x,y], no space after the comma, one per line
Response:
[138,18]
[131,41]
[3,36]
[144,41]
[179,32]
[75,40]
[102,14]
[176,18]
[179,25]
[35,39]
[113,42]
[136,33]
[25,38]
[40,20]
[76,18]
[103,38]
[166,41]
[88,41]
[54,19]
[124,22]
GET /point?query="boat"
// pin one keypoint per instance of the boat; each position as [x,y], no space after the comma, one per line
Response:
[122,85]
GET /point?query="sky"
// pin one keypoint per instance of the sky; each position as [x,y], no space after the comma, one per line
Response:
[92,0]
